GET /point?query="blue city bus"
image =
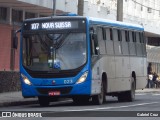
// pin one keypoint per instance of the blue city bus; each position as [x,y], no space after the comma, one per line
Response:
[82,58]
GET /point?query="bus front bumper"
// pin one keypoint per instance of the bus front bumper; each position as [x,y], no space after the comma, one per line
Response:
[58,91]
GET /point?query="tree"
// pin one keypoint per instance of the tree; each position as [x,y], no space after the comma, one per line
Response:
[80,7]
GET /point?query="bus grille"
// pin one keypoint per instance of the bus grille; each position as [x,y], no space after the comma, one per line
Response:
[63,91]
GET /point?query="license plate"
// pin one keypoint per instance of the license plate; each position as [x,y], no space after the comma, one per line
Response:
[54,93]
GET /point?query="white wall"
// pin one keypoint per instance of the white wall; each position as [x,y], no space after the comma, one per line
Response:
[67,5]
[133,12]
[138,13]
[100,8]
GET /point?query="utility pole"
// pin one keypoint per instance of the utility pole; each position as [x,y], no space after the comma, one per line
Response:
[80,7]
[119,10]
[54,7]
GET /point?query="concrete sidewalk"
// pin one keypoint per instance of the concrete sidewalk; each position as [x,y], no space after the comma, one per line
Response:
[149,90]
[15,98]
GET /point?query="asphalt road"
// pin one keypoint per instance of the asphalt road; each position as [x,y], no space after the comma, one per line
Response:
[146,106]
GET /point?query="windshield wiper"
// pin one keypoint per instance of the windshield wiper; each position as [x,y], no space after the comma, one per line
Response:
[61,41]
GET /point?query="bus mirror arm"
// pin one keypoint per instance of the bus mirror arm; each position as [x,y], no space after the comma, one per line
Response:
[17,31]
[15,39]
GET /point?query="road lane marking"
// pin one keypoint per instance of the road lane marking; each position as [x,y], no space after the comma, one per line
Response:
[140,94]
[107,108]
[155,94]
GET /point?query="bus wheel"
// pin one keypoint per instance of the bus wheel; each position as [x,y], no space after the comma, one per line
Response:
[43,101]
[98,99]
[131,94]
[121,97]
[128,96]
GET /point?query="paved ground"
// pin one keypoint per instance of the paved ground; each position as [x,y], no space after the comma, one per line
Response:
[15,98]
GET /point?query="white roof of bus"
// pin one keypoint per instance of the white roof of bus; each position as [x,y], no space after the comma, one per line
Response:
[115,23]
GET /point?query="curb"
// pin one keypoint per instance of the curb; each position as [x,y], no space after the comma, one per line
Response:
[16,103]
[148,91]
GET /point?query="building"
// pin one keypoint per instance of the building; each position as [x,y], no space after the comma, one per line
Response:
[13,12]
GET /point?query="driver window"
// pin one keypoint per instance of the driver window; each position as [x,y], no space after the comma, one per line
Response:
[94,41]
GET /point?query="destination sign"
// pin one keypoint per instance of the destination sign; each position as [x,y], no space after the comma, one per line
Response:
[54,25]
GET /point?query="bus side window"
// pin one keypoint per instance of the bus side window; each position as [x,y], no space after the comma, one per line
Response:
[138,44]
[125,44]
[101,35]
[95,48]
[111,33]
[109,41]
[119,35]
[143,44]
[94,44]
[117,43]
[132,46]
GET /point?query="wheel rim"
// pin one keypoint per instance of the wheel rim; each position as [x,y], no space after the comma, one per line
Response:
[101,94]
[133,90]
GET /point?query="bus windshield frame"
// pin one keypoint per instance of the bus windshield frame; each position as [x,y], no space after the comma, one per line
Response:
[61,38]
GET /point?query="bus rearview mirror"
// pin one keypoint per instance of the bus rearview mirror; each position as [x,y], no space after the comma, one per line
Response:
[15,42]
[15,38]
[94,36]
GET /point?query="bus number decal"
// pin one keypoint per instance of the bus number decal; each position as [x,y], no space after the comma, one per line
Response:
[68,81]
[34,26]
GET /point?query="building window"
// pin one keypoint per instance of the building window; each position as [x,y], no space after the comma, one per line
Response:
[17,16]
[3,14]
[149,10]
[29,15]
[141,8]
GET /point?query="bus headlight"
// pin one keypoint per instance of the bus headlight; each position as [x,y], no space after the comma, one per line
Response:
[82,78]
[26,80]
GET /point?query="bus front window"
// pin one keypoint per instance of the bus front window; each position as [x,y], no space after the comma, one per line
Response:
[45,52]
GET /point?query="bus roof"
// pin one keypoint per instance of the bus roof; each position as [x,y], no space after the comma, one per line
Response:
[54,17]
[96,21]
[115,23]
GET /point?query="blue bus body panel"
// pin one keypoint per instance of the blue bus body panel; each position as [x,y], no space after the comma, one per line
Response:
[46,85]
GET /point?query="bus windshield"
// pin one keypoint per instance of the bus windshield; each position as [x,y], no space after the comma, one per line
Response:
[54,51]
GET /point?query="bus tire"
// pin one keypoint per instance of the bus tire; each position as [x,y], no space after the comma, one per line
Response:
[98,99]
[128,96]
[43,101]
[131,94]
[104,79]
[122,97]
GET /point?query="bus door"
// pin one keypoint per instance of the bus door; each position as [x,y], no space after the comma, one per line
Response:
[95,61]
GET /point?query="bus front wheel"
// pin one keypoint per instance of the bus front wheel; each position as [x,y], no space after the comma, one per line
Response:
[43,101]
[99,99]
[131,93]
